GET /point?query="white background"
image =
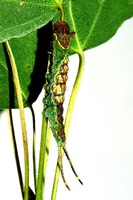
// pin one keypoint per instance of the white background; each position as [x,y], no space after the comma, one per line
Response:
[100,141]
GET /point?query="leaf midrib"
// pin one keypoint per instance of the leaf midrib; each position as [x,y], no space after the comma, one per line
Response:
[82,46]
[79,50]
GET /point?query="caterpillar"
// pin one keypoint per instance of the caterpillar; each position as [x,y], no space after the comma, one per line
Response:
[55,87]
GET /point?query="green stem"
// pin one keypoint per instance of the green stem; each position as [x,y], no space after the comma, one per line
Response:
[34,159]
[74,91]
[41,178]
[14,145]
[34,145]
[60,7]
[49,134]
[22,117]
[69,115]
[55,183]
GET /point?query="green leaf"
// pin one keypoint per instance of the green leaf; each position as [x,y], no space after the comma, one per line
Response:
[95,21]
[31,56]
[25,68]
[19,18]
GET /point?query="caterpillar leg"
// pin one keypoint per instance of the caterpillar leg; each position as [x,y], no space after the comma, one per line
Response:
[71,165]
[61,168]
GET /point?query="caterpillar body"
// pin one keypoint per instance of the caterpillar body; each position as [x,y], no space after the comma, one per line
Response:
[55,88]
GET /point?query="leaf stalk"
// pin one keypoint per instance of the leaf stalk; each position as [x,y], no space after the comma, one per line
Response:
[22,117]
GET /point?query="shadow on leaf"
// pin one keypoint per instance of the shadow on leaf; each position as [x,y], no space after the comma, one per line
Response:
[41,62]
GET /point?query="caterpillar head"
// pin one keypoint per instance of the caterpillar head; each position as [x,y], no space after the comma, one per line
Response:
[62,31]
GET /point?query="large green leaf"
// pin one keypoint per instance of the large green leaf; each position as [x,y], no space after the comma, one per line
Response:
[31,56]
[94,22]
[19,18]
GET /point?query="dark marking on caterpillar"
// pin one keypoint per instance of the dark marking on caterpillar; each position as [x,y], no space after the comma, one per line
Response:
[55,88]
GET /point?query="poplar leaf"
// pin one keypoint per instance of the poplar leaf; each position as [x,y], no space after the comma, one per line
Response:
[94,22]
[19,18]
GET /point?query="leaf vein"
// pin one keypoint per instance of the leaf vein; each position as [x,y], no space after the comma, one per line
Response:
[94,22]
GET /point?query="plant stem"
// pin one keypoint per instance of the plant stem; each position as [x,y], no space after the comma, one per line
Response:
[22,117]
[69,115]
[60,7]
[49,134]
[74,91]
[14,144]
[41,178]
[34,159]
[34,145]
[55,183]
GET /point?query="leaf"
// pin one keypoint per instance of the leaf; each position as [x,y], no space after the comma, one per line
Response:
[19,18]
[31,56]
[95,21]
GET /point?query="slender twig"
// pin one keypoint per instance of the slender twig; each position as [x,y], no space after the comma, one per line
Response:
[22,117]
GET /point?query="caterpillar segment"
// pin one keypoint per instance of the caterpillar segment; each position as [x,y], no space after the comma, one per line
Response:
[55,88]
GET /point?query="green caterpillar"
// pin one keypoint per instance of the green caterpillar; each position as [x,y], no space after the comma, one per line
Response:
[55,88]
